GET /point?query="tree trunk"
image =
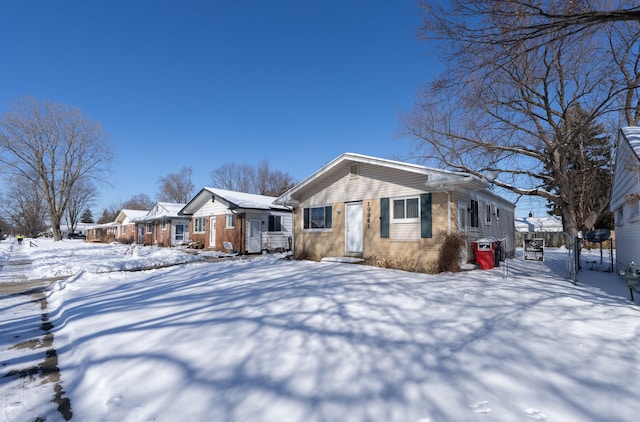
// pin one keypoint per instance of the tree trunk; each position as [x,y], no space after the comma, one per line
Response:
[55,227]
[569,224]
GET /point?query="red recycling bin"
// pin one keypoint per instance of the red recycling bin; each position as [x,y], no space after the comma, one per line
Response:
[485,250]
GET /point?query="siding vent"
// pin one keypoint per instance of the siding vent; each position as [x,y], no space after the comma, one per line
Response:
[353,170]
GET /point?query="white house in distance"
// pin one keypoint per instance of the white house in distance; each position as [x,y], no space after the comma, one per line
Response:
[548,223]
[625,196]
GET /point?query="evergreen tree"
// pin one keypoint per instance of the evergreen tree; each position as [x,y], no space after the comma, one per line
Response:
[87,216]
[107,216]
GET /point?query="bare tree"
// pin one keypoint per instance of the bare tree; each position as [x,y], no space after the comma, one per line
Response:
[271,182]
[261,177]
[504,106]
[509,23]
[234,176]
[25,206]
[494,34]
[140,201]
[5,227]
[52,146]
[261,180]
[110,213]
[176,187]
[624,39]
[82,195]
[225,176]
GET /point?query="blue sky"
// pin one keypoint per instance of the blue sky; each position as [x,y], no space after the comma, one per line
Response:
[203,83]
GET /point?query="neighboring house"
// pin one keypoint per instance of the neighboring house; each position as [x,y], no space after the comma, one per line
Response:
[393,213]
[81,228]
[163,226]
[548,228]
[549,223]
[625,197]
[127,224]
[106,232]
[251,223]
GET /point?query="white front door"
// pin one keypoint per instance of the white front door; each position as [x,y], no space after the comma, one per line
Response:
[354,227]
[179,234]
[212,232]
[255,236]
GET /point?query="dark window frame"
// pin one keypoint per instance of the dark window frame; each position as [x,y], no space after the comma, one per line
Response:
[317,218]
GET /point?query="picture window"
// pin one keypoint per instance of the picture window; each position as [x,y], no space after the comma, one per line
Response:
[317,218]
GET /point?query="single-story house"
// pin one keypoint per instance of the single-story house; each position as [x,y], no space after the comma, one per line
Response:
[392,213]
[105,233]
[549,223]
[249,223]
[163,226]
[548,227]
[625,196]
[80,228]
[126,221]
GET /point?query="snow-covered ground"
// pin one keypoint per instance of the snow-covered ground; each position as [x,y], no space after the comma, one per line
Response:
[276,340]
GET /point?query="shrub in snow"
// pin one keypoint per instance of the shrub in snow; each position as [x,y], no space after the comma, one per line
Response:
[449,255]
[416,265]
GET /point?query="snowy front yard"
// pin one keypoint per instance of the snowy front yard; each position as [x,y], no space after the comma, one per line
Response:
[276,340]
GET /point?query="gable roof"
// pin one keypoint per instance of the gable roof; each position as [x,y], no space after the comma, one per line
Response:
[549,223]
[434,178]
[232,199]
[161,210]
[131,214]
[169,208]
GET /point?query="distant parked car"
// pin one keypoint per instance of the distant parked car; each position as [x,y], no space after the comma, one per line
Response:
[76,236]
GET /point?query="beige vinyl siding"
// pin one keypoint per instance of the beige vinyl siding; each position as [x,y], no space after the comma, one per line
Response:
[408,232]
[340,186]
